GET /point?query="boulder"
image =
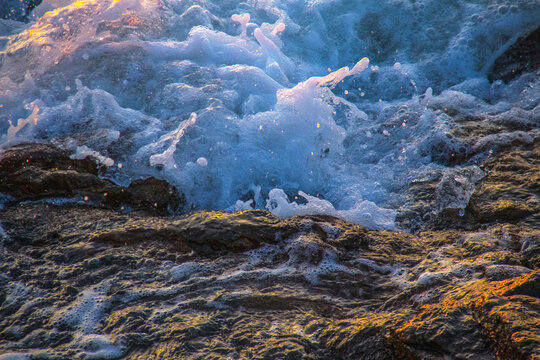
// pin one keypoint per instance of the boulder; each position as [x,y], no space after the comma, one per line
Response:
[30,172]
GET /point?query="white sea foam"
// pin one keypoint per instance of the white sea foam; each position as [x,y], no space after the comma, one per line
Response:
[97,347]
[3,233]
[86,312]
[223,98]
[84,151]
[186,270]
[14,356]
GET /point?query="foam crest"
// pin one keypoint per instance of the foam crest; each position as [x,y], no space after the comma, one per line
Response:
[84,151]
[363,212]
[166,158]
[337,76]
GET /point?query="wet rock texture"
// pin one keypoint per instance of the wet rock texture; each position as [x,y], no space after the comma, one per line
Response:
[521,57]
[82,279]
[507,191]
[41,171]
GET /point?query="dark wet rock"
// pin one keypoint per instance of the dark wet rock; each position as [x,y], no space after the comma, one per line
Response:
[40,171]
[473,139]
[511,190]
[520,57]
[507,191]
[247,285]
[206,233]
[486,320]
[151,192]
[42,156]
[501,272]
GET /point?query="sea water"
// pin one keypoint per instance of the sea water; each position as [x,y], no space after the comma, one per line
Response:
[300,107]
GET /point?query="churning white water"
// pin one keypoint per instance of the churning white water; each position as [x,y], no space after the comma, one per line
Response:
[300,107]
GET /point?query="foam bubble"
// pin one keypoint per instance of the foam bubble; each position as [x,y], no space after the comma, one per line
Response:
[86,312]
[202,161]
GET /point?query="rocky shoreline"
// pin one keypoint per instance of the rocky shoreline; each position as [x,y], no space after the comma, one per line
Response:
[81,277]
[91,269]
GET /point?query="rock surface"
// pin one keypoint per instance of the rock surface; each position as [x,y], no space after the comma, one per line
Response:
[40,171]
[85,280]
[521,57]
[507,190]
[511,190]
